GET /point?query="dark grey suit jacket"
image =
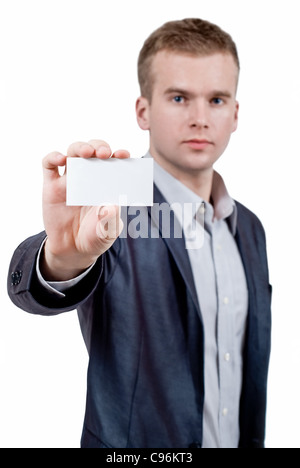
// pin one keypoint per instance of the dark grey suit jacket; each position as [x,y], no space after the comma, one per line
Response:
[139,316]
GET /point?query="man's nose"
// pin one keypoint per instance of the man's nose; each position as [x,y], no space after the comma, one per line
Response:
[199,115]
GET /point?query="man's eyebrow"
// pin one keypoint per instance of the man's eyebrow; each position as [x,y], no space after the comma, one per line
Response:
[177,90]
[219,93]
[185,92]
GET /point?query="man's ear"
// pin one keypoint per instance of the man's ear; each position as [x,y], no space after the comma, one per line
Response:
[236,116]
[142,113]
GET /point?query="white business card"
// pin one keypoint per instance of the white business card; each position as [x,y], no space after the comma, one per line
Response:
[100,182]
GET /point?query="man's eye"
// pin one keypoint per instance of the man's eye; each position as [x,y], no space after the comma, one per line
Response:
[178,99]
[217,101]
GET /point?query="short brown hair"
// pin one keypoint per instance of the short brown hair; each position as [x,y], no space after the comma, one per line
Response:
[191,36]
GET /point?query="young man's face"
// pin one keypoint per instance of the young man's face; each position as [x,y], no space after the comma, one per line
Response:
[193,110]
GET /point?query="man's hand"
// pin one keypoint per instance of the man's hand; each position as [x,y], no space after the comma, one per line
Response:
[77,236]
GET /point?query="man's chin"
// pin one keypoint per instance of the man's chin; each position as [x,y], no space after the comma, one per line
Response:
[198,162]
[191,162]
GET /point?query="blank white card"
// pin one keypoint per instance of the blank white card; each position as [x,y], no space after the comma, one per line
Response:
[97,182]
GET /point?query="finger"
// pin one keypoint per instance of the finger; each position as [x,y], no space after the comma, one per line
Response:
[121,154]
[102,148]
[51,163]
[81,149]
[93,148]
[103,152]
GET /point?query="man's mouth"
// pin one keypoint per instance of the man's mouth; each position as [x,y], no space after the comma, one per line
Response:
[198,144]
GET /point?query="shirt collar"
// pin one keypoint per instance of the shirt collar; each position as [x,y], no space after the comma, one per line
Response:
[175,192]
[224,206]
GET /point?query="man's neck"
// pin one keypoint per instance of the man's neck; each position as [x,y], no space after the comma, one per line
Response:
[199,182]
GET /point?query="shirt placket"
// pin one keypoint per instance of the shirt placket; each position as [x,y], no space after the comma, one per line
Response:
[225,334]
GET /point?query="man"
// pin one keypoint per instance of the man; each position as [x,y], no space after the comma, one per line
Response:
[178,339]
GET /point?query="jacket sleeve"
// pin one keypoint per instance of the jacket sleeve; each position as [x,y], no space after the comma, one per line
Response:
[26,292]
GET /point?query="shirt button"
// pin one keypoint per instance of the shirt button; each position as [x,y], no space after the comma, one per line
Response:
[202,209]
[226,300]
[219,248]
[227,357]
[225,412]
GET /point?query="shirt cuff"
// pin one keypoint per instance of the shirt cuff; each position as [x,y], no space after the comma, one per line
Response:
[58,287]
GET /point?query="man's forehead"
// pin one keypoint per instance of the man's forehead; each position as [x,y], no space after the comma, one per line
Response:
[171,68]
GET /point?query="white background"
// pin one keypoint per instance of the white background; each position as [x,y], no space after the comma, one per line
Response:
[68,73]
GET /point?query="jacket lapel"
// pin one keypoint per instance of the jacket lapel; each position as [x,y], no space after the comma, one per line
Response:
[175,245]
[250,263]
